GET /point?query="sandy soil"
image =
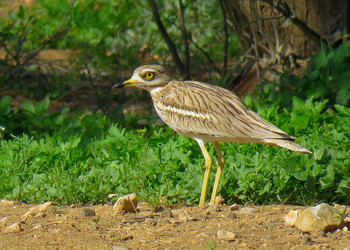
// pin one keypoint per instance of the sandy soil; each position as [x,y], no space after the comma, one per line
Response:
[173,227]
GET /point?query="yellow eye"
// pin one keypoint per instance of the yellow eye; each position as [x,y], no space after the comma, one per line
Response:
[149,76]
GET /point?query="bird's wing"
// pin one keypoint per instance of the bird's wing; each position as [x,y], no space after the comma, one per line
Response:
[195,108]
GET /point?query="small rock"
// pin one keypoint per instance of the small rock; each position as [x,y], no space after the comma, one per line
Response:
[345,229]
[185,216]
[127,203]
[36,210]
[212,210]
[219,201]
[7,202]
[88,212]
[115,247]
[291,217]
[202,235]
[110,196]
[3,221]
[234,207]
[14,228]
[151,222]
[232,215]
[248,210]
[318,218]
[226,235]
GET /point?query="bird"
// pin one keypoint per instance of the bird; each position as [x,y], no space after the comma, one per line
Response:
[206,113]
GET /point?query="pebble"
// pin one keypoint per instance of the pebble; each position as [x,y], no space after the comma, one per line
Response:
[14,228]
[319,218]
[7,202]
[234,207]
[219,201]
[185,216]
[291,217]
[3,221]
[36,210]
[248,210]
[88,212]
[116,247]
[151,222]
[127,203]
[225,235]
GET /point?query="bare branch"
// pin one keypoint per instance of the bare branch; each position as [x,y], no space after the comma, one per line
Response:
[186,40]
[226,37]
[206,55]
[171,45]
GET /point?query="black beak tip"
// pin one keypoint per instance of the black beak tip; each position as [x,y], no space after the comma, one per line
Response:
[118,85]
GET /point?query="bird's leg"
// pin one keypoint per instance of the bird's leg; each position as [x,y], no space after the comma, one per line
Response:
[221,162]
[208,164]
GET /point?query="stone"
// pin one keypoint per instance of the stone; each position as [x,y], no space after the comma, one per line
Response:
[219,201]
[88,212]
[36,210]
[14,228]
[7,202]
[248,210]
[291,217]
[127,203]
[185,216]
[319,218]
[116,247]
[225,235]
[233,207]
[3,221]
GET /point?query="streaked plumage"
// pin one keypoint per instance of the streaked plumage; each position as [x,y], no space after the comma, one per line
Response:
[207,113]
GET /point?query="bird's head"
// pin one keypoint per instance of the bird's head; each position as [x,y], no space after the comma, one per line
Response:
[147,77]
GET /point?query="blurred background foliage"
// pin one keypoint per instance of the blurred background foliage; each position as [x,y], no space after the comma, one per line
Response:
[65,136]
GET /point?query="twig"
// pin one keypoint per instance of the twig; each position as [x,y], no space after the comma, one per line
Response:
[258,20]
[172,47]
[60,32]
[226,37]
[185,37]
[206,55]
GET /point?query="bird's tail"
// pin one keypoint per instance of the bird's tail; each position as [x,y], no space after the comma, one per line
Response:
[287,144]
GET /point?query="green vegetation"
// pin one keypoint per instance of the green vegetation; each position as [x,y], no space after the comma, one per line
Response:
[82,156]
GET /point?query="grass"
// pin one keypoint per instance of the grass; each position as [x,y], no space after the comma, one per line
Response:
[82,157]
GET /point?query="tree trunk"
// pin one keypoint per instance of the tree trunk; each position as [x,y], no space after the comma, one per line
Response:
[281,35]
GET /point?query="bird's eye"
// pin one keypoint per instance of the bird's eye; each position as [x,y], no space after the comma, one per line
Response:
[149,76]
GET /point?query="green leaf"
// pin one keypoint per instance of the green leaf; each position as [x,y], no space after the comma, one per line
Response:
[5,105]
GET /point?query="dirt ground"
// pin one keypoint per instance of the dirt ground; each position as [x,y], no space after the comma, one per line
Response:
[173,227]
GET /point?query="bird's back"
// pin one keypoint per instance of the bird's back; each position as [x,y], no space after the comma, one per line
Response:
[208,112]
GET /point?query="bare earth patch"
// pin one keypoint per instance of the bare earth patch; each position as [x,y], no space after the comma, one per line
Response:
[174,227]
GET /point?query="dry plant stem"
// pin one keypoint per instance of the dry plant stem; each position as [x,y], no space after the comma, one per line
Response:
[172,47]
[206,55]
[226,37]
[60,32]
[186,40]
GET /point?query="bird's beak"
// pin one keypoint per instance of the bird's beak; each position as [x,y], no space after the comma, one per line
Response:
[128,83]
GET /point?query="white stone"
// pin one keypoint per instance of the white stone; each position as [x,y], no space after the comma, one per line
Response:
[127,203]
[319,218]
[225,235]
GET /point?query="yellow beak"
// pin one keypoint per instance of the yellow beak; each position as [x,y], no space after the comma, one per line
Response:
[128,83]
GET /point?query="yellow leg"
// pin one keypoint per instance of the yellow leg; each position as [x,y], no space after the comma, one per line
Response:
[208,164]
[221,162]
